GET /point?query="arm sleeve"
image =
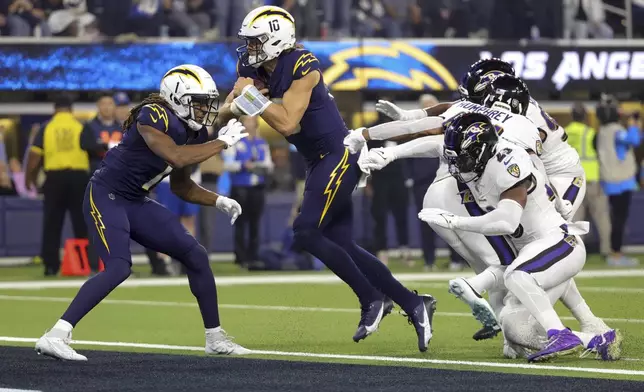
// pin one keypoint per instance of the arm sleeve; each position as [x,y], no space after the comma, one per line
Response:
[399,128]
[154,116]
[305,63]
[504,220]
[424,147]
[38,144]
[230,163]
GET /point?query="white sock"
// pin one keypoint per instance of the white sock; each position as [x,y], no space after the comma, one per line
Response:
[63,325]
[487,280]
[576,304]
[585,337]
[213,330]
[532,296]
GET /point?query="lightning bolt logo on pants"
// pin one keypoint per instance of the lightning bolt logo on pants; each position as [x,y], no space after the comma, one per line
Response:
[334,183]
[98,221]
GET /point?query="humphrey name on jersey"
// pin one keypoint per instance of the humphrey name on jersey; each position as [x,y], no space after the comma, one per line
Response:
[493,114]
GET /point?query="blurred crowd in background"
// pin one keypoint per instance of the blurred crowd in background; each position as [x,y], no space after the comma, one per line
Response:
[217,19]
[255,168]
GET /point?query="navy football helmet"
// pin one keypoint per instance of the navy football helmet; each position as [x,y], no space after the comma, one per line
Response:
[470,142]
[480,74]
[509,91]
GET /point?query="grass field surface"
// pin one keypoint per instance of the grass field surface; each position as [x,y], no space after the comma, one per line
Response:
[311,317]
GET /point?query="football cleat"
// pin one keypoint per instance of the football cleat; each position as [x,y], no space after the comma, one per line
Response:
[486,333]
[560,343]
[55,344]
[481,309]
[607,346]
[421,318]
[218,342]
[370,317]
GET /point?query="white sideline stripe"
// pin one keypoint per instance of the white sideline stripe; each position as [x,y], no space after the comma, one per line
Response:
[350,357]
[17,390]
[288,279]
[251,307]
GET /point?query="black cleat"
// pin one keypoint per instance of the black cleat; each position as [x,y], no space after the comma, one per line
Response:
[388,306]
[422,318]
[487,333]
[370,317]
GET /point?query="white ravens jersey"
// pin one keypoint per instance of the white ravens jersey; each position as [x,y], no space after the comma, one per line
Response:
[512,127]
[509,166]
[558,156]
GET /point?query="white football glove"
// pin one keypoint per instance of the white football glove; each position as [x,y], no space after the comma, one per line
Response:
[395,113]
[354,141]
[378,158]
[565,208]
[230,207]
[233,132]
[438,217]
[112,144]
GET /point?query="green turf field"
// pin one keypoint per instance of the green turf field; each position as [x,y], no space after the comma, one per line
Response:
[306,316]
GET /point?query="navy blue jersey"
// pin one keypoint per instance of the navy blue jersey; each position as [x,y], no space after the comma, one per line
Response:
[321,130]
[131,169]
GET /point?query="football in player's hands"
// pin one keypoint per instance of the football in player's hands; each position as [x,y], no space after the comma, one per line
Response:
[438,217]
[261,86]
[230,207]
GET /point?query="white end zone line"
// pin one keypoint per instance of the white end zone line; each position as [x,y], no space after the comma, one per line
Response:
[250,307]
[271,278]
[371,358]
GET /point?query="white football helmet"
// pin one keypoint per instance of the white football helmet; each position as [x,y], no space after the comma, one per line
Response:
[268,31]
[192,94]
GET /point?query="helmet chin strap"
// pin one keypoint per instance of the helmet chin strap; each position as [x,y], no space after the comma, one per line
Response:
[195,126]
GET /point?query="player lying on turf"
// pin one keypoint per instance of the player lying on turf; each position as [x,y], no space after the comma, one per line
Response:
[475,248]
[515,193]
[163,136]
[305,113]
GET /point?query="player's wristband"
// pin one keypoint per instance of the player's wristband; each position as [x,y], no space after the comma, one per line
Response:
[251,101]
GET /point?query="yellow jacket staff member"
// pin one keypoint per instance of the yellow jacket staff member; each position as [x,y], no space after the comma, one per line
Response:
[64,147]
[582,137]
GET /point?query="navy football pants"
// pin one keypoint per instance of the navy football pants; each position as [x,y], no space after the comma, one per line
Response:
[324,228]
[112,222]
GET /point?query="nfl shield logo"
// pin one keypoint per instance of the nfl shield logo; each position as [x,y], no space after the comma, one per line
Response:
[514,170]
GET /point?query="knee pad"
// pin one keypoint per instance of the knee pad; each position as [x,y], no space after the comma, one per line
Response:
[196,259]
[304,236]
[119,268]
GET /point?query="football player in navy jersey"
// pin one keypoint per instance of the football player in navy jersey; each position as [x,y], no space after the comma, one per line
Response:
[302,110]
[163,136]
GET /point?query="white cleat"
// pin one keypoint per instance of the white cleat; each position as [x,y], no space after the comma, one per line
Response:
[481,309]
[55,344]
[218,342]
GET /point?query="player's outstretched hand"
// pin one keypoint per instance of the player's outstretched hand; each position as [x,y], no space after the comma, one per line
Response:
[230,207]
[377,158]
[354,141]
[233,132]
[438,217]
[390,110]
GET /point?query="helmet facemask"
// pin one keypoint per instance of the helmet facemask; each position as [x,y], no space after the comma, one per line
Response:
[469,146]
[203,108]
[253,53]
